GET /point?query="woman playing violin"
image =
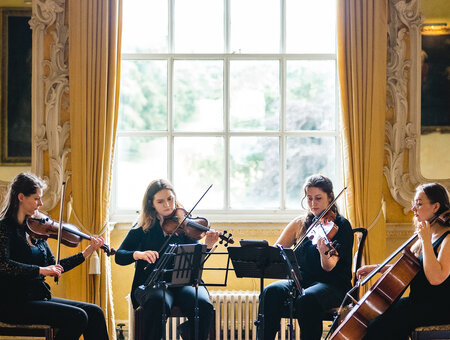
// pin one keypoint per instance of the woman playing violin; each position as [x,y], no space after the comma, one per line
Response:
[326,275]
[429,297]
[24,264]
[142,245]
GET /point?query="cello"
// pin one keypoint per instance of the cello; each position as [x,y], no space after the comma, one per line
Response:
[385,291]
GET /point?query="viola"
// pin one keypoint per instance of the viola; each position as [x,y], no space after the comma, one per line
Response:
[42,227]
[322,228]
[326,231]
[385,290]
[180,222]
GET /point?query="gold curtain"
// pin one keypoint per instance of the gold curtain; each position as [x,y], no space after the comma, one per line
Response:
[362,51]
[94,73]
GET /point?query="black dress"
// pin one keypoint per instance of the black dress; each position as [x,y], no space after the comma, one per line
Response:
[322,290]
[25,297]
[426,305]
[153,239]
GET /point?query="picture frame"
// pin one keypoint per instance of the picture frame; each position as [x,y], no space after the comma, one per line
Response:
[435,83]
[15,86]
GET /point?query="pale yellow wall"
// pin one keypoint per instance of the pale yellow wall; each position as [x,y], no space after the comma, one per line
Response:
[436,10]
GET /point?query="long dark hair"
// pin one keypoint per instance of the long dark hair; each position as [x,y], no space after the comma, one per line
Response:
[147,217]
[436,193]
[324,184]
[24,183]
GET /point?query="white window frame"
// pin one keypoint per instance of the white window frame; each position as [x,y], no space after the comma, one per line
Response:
[228,214]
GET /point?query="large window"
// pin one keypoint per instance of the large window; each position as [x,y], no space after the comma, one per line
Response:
[240,94]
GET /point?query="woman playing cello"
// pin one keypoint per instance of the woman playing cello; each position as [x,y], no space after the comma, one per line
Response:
[429,297]
[24,264]
[141,246]
[326,277]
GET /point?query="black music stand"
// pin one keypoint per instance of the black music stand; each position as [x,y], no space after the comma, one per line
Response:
[187,271]
[257,259]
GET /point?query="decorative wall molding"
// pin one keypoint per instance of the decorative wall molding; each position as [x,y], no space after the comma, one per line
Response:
[3,189]
[399,231]
[404,99]
[50,88]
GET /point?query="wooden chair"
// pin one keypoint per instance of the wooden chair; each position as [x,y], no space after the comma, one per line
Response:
[431,332]
[44,331]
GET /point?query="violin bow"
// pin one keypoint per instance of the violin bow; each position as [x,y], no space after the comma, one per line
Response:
[181,223]
[318,218]
[61,209]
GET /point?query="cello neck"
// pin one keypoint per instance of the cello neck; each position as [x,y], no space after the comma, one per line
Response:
[388,259]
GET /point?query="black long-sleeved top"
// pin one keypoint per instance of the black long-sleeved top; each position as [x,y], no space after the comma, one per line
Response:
[139,240]
[19,264]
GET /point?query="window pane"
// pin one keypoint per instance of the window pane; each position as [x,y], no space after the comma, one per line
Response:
[307,156]
[310,26]
[139,161]
[141,17]
[255,26]
[199,26]
[255,172]
[254,95]
[198,163]
[198,95]
[143,95]
[310,95]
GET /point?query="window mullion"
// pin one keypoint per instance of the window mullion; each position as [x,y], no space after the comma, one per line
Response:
[283,26]
[226,129]
[283,132]
[170,125]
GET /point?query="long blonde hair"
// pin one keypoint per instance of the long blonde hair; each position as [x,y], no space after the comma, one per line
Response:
[147,217]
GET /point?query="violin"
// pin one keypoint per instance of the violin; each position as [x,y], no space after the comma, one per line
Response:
[180,222]
[42,227]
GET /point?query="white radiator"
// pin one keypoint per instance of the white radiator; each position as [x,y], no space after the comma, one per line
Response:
[236,312]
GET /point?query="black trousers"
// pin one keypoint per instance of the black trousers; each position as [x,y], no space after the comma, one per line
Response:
[183,297]
[309,308]
[71,319]
[405,315]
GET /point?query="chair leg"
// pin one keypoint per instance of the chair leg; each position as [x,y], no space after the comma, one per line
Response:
[49,334]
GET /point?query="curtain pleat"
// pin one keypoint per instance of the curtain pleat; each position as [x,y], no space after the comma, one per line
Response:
[362,51]
[94,73]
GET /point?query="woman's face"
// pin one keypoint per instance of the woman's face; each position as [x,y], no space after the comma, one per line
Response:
[317,199]
[29,205]
[164,202]
[423,209]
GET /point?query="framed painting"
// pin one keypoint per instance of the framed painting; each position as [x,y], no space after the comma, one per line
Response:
[15,95]
[435,83]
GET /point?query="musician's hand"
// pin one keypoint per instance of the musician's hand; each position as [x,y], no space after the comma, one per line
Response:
[96,243]
[53,270]
[149,255]
[321,246]
[424,231]
[364,270]
[212,237]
